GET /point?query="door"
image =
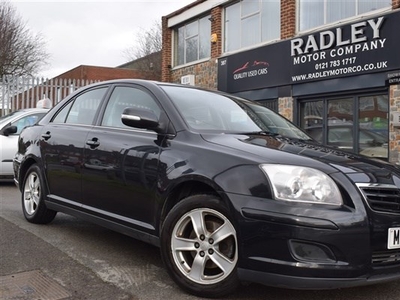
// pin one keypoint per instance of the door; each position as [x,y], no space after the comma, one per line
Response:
[62,144]
[120,169]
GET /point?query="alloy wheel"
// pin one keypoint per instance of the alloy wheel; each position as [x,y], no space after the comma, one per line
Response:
[32,192]
[204,246]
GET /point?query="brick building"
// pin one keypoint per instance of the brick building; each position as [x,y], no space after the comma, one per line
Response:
[330,67]
[96,73]
[150,64]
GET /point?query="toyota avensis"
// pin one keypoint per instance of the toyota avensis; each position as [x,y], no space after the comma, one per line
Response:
[229,190]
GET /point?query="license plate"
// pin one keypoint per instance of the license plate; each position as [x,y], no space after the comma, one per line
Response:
[394,238]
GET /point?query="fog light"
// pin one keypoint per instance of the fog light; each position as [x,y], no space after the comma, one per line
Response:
[311,252]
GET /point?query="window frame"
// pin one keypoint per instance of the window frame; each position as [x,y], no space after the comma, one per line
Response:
[243,18]
[113,101]
[357,15]
[176,41]
[68,106]
[325,99]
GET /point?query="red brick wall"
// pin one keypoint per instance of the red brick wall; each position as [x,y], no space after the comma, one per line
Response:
[288,19]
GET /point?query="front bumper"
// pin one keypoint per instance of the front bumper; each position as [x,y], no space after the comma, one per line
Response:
[310,246]
[314,283]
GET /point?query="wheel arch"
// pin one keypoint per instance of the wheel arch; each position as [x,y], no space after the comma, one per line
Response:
[179,225]
[24,167]
[188,188]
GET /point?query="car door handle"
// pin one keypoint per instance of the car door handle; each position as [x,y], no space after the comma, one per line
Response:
[93,143]
[46,135]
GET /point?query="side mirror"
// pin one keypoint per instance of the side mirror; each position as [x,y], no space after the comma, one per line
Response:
[140,118]
[10,130]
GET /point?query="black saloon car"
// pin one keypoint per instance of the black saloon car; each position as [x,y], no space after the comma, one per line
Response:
[229,190]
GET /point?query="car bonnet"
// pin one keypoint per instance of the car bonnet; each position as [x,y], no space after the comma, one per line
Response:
[282,150]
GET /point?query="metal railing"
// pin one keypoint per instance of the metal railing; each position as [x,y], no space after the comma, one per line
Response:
[25,92]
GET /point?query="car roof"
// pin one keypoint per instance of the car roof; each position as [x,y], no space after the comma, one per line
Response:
[145,83]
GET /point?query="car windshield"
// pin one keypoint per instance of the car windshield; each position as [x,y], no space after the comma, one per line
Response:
[7,118]
[205,111]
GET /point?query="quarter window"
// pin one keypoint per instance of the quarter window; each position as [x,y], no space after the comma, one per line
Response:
[314,13]
[250,22]
[193,41]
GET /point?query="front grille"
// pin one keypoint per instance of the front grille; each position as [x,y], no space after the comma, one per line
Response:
[383,198]
[384,258]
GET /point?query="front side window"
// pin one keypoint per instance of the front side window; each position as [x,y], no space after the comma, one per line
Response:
[315,13]
[27,121]
[250,22]
[127,97]
[193,41]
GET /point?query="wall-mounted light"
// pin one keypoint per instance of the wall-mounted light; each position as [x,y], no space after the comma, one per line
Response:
[211,19]
[214,38]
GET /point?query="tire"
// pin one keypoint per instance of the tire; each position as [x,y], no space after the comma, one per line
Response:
[200,259]
[33,193]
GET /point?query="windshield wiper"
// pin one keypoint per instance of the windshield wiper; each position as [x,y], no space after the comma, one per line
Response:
[261,132]
[275,134]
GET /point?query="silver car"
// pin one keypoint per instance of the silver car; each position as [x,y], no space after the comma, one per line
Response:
[11,126]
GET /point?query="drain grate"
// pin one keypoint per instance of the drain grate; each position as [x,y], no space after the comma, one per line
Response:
[32,285]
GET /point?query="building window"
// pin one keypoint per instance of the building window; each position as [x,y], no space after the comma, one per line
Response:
[250,22]
[193,41]
[314,13]
[357,124]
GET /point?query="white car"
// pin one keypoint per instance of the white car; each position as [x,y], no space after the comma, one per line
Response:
[11,126]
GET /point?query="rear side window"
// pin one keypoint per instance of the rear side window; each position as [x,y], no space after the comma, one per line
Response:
[82,109]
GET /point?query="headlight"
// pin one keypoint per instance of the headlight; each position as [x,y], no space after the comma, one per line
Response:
[302,184]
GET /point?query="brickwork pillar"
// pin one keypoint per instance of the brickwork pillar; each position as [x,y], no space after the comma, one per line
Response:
[288,19]
[285,107]
[394,133]
[216,28]
[166,53]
